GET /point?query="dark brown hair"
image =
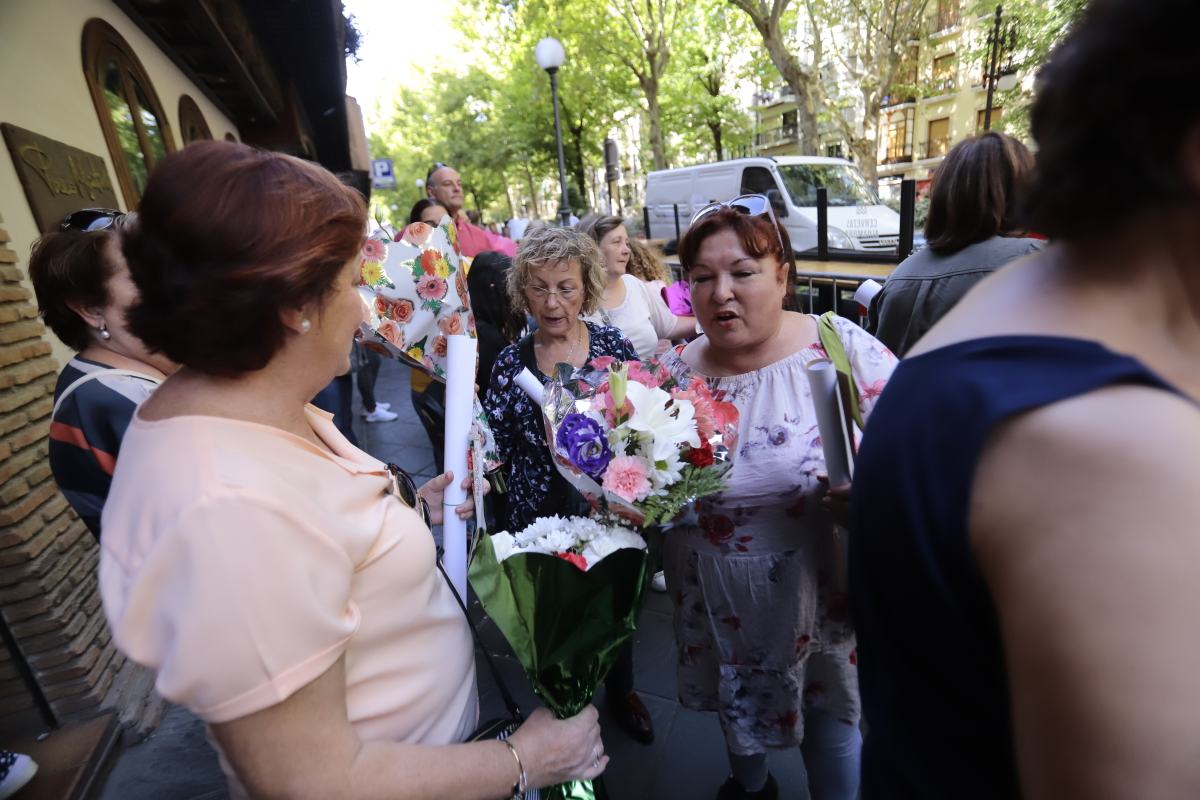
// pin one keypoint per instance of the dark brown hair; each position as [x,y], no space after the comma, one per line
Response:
[976,192]
[1115,105]
[228,237]
[71,268]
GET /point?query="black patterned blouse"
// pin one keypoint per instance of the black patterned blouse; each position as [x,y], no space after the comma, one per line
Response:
[535,489]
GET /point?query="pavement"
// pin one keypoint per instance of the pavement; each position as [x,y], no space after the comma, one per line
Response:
[686,761]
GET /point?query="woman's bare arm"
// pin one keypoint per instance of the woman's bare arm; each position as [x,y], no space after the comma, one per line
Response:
[306,748]
[1085,520]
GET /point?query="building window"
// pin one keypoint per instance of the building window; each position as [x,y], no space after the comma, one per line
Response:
[997,111]
[834,150]
[135,127]
[897,137]
[947,14]
[943,74]
[192,126]
[939,138]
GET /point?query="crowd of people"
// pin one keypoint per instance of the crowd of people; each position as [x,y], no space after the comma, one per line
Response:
[1002,595]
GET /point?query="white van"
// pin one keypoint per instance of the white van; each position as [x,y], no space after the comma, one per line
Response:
[857,220]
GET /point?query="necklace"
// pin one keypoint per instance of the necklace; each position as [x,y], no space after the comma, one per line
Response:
[574,344]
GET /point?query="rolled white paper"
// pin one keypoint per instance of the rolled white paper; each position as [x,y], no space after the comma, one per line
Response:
[530,384]
[831,420]
[866,293]
[460,392]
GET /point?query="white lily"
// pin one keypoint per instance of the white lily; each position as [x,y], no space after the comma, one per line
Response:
[675,424]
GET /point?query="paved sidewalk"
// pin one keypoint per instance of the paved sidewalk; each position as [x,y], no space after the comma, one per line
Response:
[685,762]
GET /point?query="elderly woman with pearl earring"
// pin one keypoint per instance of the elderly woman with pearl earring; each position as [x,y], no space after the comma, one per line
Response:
[83,291]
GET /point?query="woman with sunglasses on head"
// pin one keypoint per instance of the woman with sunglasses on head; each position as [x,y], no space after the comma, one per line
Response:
[756,575]
[557,276]
[281,582]
[628,303]
[1026,547]
[83,291]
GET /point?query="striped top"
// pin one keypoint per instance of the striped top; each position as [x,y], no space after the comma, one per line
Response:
[86,433]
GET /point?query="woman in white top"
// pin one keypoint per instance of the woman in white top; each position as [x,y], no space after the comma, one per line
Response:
[634,306]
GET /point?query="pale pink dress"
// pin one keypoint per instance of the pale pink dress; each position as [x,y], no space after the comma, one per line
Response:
[240,562]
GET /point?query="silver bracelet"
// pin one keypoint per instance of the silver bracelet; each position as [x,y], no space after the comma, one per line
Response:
[522,784]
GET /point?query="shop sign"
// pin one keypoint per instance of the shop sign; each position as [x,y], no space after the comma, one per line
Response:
[57,178]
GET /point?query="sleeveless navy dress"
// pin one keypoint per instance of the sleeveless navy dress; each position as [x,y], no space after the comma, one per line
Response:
[931,666]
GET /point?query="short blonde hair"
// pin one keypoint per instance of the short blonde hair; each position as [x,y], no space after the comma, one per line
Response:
[554,245]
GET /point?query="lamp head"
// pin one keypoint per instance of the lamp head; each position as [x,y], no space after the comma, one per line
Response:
[549,54]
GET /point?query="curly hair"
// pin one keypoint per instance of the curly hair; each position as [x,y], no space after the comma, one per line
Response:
[644,263]
[1098,171]
[552,245]
[227,238]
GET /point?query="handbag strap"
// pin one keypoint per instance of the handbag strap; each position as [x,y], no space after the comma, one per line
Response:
[513,709]
[95,374]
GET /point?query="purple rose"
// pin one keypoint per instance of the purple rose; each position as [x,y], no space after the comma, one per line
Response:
[583,440]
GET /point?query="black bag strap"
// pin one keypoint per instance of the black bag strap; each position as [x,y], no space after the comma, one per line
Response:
[513,709]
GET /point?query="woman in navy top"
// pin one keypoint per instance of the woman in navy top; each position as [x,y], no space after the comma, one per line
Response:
[1025,557]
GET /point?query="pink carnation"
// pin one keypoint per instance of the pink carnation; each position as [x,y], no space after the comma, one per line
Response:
[602,362]
[639,374]
[627,478]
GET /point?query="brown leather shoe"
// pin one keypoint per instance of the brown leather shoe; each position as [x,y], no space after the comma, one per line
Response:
[632,715]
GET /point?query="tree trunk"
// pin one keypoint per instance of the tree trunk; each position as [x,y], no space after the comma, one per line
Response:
[654,113]
[715,127]
[533,195]
[800,81]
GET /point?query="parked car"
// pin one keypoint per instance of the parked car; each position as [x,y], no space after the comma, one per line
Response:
[857,218]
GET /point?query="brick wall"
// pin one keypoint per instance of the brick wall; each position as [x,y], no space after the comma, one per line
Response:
[49,600]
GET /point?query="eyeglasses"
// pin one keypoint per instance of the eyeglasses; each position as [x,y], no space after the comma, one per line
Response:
[405,490]
[88,220]
[752,205]
[542,294]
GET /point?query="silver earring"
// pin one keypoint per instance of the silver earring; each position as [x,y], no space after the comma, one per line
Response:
[104,334]
[305,326]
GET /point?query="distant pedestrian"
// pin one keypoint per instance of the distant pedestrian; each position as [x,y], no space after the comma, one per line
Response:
[444,184]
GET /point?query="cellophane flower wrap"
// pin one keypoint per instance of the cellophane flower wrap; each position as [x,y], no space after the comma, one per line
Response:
[414,294]
[565,593]
[636,442]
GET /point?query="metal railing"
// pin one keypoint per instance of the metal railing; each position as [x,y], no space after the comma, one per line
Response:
[784,133]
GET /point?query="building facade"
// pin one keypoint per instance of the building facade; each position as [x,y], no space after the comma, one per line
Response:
[94,94]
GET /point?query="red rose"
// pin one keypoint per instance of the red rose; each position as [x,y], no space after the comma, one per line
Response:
[575,559]
[402,311]
[700,456]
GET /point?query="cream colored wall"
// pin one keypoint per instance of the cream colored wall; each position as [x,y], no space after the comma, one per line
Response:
[42,89]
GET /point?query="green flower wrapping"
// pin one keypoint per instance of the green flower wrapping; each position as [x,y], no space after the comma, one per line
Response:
[565,625]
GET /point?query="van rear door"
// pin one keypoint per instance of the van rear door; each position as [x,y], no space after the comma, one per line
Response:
[665,190]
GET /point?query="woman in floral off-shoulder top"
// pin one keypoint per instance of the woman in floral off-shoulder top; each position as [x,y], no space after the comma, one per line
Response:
[756,573]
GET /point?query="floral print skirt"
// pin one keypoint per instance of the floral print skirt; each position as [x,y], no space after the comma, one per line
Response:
[762,637]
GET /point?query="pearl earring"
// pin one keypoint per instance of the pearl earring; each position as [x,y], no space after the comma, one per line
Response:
[305,326]
[103,330]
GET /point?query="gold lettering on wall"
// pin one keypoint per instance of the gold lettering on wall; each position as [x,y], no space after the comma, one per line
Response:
[56,177]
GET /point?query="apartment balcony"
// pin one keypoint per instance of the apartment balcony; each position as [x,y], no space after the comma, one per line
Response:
[774,97]
[898,155]
[939,87]
[777,136]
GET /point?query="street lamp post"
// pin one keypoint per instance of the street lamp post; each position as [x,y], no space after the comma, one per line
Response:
[1006,81]
[550,55]
[420,186]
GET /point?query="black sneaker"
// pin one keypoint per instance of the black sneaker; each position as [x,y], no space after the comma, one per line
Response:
[732,790]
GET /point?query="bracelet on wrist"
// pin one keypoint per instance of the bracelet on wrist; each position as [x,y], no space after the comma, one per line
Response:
[522,784]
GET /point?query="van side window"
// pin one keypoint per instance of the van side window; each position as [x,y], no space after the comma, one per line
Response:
[757,180]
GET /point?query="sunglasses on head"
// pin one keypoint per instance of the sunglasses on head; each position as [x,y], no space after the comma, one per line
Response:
[89,220]
[404,489]
[436,166]
[752,205]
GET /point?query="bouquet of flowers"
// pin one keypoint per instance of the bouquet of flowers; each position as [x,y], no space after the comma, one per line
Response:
[636,442]
[565,594]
